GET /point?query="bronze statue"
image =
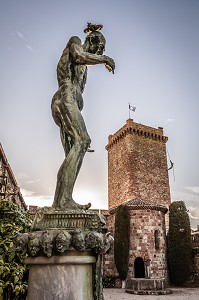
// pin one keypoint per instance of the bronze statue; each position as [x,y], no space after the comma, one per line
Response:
[67,104]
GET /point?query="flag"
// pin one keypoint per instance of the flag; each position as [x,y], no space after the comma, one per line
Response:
[133,108]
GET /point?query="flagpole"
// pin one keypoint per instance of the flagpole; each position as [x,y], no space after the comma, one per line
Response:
[129,110]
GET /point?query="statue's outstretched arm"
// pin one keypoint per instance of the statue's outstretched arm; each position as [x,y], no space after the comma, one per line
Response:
[85,58]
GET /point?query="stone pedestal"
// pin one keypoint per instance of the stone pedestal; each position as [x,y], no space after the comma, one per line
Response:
[65,277]
[147,286]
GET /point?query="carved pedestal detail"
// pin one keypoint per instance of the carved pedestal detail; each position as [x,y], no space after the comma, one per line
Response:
[61,277]
[65,251]
[51,218]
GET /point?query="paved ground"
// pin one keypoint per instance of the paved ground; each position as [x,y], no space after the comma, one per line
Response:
[178,294]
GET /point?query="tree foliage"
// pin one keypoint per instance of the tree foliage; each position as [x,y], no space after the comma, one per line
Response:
[179,243]
[121,240]
[13,273]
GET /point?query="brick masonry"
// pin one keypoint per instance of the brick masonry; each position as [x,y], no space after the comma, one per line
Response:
[137,165]
[146,221]
[138,177]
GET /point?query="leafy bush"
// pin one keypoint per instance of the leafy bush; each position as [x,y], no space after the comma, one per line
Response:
[109,281]
[13,273]
[121,240]
[179,243]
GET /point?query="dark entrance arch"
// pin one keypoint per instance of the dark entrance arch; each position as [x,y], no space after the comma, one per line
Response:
[139,268]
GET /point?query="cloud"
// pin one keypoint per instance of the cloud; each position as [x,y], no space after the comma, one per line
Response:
[194,212]
[20,35]
[33,181]
[22,175]
[191,199]
[27,193]
[193,189]
[187,196]
[31,198]
[29,47]
[169,120]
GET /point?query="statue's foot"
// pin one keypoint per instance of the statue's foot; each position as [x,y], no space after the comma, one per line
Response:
[90,150]
[71,204]
[86,206]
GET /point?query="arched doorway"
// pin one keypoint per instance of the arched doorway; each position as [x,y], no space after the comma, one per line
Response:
[139,268]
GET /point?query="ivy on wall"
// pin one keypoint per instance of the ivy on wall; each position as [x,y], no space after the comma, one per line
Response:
[121,240]
[13,273]
[179,243]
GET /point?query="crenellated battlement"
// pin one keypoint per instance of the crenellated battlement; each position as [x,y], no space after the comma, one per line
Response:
[137,129]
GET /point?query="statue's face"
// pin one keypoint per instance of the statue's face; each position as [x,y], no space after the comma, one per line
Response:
[19,243]
[79,242]
[95,43]
[63,242]
[47,244]
[33,246]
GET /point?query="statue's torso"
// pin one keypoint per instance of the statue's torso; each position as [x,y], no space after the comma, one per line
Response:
[68,69]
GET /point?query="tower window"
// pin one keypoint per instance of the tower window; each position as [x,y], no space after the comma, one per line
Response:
[157,239]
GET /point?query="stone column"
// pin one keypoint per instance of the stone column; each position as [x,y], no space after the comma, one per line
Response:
[65,277]
[147,268]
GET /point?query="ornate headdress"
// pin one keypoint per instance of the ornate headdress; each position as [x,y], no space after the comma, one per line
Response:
[92,27]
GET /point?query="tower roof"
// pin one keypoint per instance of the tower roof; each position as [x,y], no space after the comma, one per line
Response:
[139,204]
[132,127]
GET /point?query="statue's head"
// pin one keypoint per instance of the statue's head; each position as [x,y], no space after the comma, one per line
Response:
[94,240]
[95,41]
[47,243]
[33,244]
[63,241]
[21,241]
[78,241]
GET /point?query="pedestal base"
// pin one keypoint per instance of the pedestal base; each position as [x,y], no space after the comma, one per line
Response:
[61,277]
[144,286]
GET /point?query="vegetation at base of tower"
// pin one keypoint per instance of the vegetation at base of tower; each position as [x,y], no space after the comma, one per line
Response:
[121,240]
[13,273]
[179,243]
[109,281]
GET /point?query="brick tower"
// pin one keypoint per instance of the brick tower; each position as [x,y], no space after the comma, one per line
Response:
[137,165]
[138,178]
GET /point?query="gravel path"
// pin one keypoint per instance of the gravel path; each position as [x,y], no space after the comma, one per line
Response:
[178,294]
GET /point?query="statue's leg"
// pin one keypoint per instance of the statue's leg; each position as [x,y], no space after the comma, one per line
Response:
[73,123]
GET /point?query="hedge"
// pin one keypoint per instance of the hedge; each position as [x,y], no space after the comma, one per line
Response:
[121,240]
[179,243]
[13,273]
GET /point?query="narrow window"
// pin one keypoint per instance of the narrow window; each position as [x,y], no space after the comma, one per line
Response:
[157,240]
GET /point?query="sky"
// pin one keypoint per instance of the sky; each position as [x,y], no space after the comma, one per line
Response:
[155,45]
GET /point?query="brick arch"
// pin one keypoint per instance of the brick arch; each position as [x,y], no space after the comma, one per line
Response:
[143,254]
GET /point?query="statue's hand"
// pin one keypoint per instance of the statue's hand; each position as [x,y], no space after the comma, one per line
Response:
[109,64]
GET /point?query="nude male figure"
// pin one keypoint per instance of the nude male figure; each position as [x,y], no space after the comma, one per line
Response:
[67,104]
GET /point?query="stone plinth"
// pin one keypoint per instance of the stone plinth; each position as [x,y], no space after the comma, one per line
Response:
[144,286]
[61,277]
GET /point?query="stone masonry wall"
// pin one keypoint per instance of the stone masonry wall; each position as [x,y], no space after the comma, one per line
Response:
[137,165]
[144,223]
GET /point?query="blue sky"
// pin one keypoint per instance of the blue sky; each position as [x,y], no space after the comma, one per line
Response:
[155,45]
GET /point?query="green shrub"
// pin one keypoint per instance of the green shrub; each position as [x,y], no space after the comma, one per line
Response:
[179,243]
[109,281]
[13,273]
[121,240]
